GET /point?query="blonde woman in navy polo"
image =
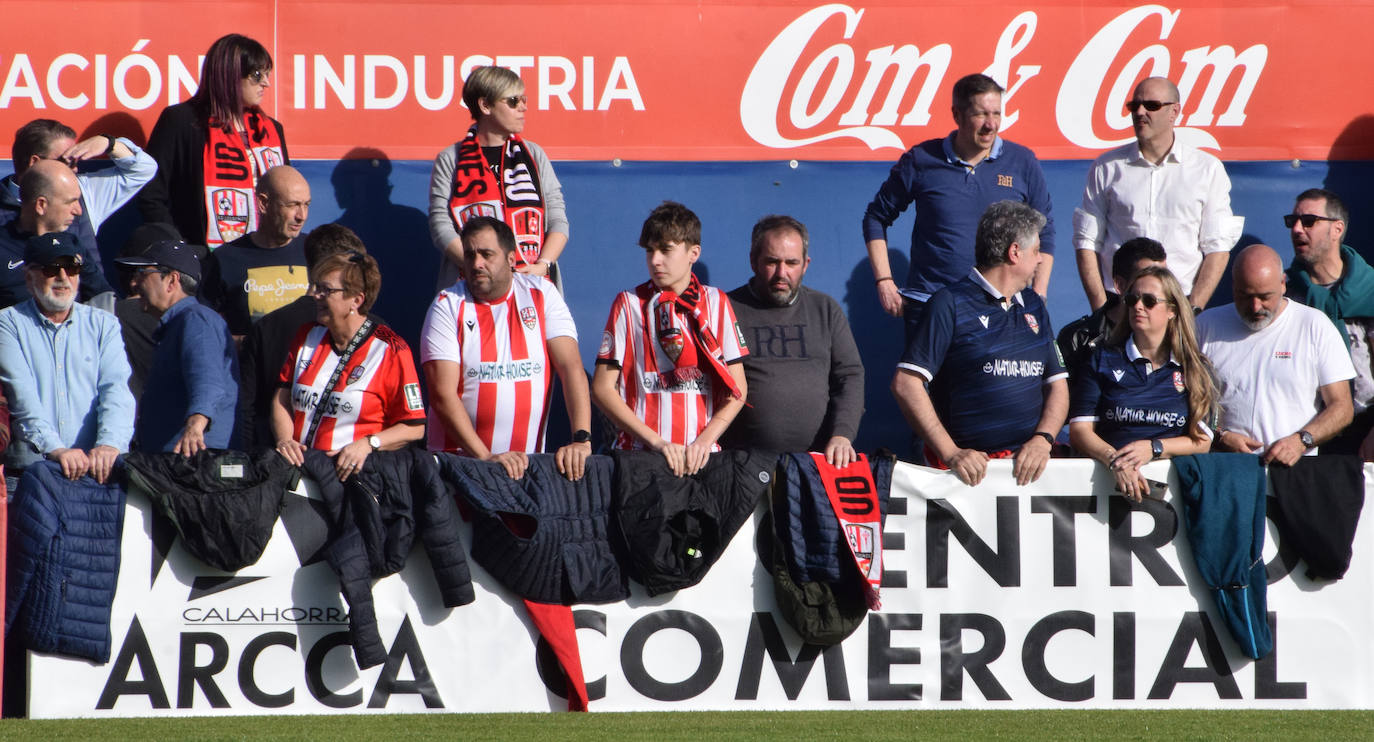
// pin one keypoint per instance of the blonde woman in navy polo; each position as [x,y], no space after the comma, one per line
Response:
[1147,393]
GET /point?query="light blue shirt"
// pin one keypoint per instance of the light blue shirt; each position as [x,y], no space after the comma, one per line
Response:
[106,189]
[67,384]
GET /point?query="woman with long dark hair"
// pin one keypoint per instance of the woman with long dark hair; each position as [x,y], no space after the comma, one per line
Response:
[212,149]
[494,172]
[1148,392]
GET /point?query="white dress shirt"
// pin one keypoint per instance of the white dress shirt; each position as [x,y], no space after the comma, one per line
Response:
[1184,202]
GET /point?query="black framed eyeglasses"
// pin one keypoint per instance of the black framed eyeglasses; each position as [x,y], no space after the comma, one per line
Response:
[1149,300]
[324,289]
[1308,220]
[1149,105]
[514,101]
[72,266]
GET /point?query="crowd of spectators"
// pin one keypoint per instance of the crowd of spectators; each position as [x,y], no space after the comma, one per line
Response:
[246,329]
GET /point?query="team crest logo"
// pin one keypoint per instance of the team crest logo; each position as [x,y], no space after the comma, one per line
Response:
[861,540]
[356,373]
[1178,381]
[529,317]
[413,397]
[606,342]
[1032,324]
[270,158]
[231,213]
[485,208]
[1117,374]
[672,343]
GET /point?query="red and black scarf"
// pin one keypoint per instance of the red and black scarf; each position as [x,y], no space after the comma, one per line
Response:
[685,349]
[511,193]
[231,173]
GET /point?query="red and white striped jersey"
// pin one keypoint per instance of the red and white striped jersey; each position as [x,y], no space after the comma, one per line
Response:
[677,413]
[502,355]
[376,390]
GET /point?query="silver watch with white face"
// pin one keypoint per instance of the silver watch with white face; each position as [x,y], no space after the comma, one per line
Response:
[375,441]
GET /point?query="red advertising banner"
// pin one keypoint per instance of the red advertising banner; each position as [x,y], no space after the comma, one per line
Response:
[714,80]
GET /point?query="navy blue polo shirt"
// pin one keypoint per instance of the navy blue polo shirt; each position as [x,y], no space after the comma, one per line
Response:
[987,365]
[1126,399]
[949,198]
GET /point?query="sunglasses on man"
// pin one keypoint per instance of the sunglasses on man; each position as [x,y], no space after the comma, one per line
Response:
[1308,220]
[1149,105]
[71,265]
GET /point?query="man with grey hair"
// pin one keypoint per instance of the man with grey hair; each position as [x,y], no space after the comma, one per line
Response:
[997,387]
[1283,371]
[1157,187]
[64,370]
[803,363]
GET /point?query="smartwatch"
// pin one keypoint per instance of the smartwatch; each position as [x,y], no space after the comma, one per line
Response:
[582,436]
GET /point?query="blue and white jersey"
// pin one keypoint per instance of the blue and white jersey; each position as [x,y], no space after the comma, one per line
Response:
[1127,399]
[987,364]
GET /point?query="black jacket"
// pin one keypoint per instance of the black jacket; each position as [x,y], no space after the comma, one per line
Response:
[373,521]
[223,504]
[674,528]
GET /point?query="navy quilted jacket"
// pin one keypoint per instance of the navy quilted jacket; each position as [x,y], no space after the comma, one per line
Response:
[63,563]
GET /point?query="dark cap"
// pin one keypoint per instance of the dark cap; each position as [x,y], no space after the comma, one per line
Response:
[170,254]
[45,249]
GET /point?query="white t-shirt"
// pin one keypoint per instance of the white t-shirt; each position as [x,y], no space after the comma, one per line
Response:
[1270,379]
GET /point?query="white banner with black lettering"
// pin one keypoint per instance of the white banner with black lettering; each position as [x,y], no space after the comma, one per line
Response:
[1058,594]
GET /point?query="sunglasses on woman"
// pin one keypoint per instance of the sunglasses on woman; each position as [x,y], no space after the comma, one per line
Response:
[1149,300]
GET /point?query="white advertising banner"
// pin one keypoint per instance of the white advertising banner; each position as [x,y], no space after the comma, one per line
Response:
[1059,594]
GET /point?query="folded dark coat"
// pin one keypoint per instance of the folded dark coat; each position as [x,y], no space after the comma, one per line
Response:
[543,536]
[373,517]
[64,539]
[223,504]
[1317,505]
[674,528]
[1223,498]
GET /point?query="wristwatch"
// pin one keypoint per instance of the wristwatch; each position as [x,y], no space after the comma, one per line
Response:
[1156,448]
[375,441]
[1307,440]
[582,436]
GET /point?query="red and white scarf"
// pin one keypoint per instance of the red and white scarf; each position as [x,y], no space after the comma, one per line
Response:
[854,498]
[511,193]
[231,173]
[685,349]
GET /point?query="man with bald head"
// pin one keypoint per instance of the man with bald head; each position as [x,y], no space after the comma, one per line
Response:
[1283,371]
[1157,187]
[50,200]
[264,269]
